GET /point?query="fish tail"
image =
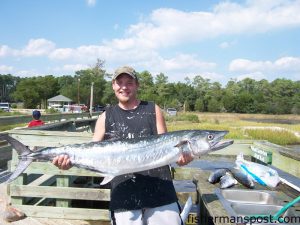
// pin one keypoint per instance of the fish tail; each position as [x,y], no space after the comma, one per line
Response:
[22,150]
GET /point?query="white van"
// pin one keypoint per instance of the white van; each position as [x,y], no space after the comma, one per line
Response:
[5,106]
[171,111]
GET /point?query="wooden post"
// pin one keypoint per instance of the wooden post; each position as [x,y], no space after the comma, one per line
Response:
[19,181]
[63,181]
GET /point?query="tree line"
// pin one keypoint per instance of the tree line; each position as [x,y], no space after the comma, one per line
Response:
[281,96]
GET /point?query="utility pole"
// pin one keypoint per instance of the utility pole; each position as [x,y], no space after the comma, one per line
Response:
[91,99]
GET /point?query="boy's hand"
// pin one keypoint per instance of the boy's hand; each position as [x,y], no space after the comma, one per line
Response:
[184,159]
[62,162]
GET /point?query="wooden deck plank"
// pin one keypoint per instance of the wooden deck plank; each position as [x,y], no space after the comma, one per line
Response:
[46,221]
[64,213]
[60,192]
[49,169]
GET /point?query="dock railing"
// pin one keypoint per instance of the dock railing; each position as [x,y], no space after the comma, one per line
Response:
[10,120]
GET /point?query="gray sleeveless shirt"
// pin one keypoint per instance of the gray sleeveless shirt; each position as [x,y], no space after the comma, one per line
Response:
[146,189]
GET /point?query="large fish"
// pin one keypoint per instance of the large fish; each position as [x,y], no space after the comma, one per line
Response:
[242,178]
[216,176]
[120,156]
[227,181]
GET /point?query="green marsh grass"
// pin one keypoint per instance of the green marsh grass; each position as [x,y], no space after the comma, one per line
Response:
[280,137]
[2,113]
[237,127]
[183,117]
[9,127]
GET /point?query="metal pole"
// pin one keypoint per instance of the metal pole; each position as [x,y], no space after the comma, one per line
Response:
[78,102]
[91,99]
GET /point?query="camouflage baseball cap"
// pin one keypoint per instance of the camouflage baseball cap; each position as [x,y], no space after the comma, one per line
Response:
[127,70]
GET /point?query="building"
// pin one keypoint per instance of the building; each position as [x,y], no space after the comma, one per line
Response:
[58,102]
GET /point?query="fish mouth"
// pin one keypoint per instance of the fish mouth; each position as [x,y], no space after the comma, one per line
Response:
[218,143]
[221,144]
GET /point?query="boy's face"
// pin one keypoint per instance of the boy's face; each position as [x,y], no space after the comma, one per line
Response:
[125,88]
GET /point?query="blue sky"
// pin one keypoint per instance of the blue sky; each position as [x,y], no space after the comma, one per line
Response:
[219,40]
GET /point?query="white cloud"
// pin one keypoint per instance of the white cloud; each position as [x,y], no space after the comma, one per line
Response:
[26,73]
[5,69]
[62,54]
[178,67]
[167,27]
[285,66]
[37,47]
[226,44]
[185,62]
[142,42]
[245,65]
[5,51]
[290,64]
[91,3]
[74,67]
[256,76]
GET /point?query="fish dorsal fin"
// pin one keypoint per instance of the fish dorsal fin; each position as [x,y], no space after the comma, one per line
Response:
[106,180]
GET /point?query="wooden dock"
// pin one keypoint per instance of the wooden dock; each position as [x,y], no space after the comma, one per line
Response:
[47,195]
[39,220]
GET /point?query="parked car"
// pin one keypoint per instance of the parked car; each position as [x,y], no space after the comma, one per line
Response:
[57,107]
[5,106]
[171,111]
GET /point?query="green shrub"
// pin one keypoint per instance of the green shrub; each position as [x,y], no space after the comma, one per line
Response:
[183,117]
[51,111]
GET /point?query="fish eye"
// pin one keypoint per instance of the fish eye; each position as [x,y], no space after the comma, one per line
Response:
[210,137]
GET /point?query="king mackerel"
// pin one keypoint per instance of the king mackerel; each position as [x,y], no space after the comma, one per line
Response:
[111,158]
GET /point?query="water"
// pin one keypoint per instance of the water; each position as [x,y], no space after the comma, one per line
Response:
[280,121]
[295,148]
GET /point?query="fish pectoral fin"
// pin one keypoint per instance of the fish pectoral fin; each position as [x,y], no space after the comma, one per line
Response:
[183,142]
[186,209]
[106,180]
